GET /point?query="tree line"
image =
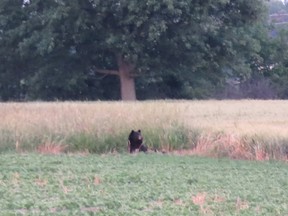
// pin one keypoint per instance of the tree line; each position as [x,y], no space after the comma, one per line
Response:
[152,49]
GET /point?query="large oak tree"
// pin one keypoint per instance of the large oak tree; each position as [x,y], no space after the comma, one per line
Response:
[129,38]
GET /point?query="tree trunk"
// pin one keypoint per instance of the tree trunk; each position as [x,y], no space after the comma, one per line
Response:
[127,81]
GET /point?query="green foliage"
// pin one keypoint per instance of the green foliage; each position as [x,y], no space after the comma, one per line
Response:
[7,140]
[169,139]
[98,144]
[276,6]
[172,138]
[150,184]
[280,75]
[69,40]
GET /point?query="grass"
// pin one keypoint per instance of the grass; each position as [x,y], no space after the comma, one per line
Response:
[153,184]
[80,183]
[245,129]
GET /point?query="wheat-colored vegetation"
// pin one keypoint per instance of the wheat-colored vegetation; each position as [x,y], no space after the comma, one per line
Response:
[250,129]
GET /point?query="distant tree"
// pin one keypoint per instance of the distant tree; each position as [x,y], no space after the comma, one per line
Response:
[279,69]
[127,38]
[271,67]
[276,6]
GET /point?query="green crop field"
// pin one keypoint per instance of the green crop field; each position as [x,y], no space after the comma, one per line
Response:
[141,184]
[47,166]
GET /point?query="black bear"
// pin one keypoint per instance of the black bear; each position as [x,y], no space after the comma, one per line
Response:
[135,141]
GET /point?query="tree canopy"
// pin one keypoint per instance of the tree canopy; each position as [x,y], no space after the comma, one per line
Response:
[58,49]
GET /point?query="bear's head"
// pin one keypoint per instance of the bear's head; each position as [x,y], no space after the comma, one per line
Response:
[135,136]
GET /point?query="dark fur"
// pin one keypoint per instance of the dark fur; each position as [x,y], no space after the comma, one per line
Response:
[135,141]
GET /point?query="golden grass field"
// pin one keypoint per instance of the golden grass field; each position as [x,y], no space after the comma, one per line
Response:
[269,117]
[261,118]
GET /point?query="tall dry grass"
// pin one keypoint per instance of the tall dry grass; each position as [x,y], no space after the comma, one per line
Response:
[260,126]
[96,126]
